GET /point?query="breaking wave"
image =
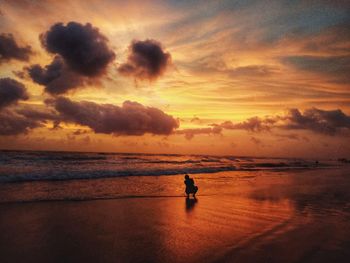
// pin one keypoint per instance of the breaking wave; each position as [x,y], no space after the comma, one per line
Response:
[19,166]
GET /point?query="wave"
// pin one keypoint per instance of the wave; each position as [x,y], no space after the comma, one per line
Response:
[35,156]
[74,175]
[65,175]
[17,166]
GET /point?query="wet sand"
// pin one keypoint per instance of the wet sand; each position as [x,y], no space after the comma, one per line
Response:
[301,216]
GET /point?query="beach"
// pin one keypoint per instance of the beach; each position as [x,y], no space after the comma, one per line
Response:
[247,216]
[174,131]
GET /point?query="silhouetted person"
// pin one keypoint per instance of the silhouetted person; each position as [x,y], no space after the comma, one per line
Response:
[190,187]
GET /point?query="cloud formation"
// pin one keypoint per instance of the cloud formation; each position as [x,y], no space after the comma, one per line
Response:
[131,118]
[11,91]
[83,47]
[328,122]
[82,55]
[56,77]
[21,120]
[13,123]
[9,49]
[146,61]
[190,133]
[321,121]
[254,124]
[41,115]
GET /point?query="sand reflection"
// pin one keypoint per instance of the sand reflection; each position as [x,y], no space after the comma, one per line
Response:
[190,203]
[266,217]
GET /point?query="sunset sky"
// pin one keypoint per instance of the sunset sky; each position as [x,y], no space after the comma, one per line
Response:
[258,78]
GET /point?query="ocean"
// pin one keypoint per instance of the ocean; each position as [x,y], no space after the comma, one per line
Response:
[19,166]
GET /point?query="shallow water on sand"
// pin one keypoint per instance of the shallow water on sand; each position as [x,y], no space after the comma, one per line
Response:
[300,216]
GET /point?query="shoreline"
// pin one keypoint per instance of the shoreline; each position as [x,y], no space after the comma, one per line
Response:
[167,154]
[124,187]
[299,216]
[255,227]
[204,171]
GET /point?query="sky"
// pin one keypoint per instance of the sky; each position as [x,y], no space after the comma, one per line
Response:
[244,78]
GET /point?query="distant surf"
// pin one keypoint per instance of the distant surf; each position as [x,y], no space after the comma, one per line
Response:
[18,166]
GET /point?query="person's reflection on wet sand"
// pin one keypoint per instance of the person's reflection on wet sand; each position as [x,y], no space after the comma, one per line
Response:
[190,203]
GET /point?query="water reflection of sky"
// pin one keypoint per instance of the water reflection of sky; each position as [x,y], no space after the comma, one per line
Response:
[245,217]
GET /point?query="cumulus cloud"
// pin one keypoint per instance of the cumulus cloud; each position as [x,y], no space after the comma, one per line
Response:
[13,123]
[83,47]
[41,115]
[254,124]
[131,118]
[190,133]
[146,60]
[82,55]
[56,77]
[11,91]
[329,122]
[21,120]
[9,49]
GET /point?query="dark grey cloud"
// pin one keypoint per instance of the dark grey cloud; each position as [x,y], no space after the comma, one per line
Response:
[11,91]
[254,124]
[82,55]
[13,123]
[329,122]
[41,115]
[335,67]
[56,77]
[146,60]
[83,47]
[48,74]
[131,118]
[21,120]
[9,49]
